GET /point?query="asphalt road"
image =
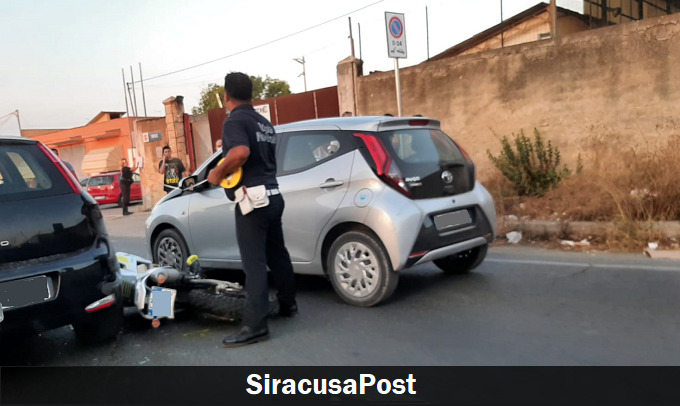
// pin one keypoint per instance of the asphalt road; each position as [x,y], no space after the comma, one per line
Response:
[522,306]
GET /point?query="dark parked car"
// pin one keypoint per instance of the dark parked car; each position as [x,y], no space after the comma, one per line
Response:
[57,265]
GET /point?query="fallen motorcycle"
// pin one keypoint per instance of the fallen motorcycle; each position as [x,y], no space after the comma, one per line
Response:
[156,292]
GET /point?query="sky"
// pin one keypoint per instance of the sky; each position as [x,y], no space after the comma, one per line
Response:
[62,62]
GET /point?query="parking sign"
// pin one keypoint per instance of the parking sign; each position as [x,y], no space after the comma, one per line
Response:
[396,35]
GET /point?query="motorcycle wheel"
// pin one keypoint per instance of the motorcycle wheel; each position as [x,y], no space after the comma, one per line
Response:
[224,306]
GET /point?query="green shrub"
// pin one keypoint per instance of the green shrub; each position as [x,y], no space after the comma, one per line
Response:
[532,167]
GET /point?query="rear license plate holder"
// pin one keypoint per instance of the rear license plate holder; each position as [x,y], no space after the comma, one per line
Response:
[27,291]
[446,221]
[162,302]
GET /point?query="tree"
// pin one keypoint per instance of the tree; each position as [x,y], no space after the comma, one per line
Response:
[209,99]
[268,87]
[262,89]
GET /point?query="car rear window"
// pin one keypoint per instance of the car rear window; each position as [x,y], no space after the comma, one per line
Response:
[27,173]
[421,146]
[101,181]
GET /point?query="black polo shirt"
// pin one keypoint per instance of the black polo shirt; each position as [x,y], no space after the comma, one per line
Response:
[247,127]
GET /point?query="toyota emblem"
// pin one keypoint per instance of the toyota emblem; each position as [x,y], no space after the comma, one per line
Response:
[447,177]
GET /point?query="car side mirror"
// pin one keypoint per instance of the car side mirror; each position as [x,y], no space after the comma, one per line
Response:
[187,183]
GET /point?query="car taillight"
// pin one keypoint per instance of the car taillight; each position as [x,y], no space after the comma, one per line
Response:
[72,181]
[386,168]
[111,187]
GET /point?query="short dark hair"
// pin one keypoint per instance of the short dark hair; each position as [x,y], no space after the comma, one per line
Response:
[239,86]
[166,147]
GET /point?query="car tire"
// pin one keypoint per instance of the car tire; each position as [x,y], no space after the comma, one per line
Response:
[360,270]
[170,249]
[101,326]
[462,262]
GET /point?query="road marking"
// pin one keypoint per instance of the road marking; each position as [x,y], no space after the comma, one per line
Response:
[584,264]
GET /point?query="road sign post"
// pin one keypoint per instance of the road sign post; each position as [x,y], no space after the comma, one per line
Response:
[396,47]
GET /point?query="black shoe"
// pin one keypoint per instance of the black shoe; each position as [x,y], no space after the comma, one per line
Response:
[126,213]
[246,336]
[288,310]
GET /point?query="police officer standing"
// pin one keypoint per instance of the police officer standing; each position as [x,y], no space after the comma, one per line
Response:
[249,142]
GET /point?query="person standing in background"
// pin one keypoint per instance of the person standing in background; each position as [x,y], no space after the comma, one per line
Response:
[172,169]
[125,184]
[68,165]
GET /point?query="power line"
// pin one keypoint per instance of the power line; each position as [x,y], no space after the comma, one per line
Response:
[262,45]
[14,113]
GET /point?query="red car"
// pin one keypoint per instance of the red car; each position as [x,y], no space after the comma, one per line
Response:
[105,188]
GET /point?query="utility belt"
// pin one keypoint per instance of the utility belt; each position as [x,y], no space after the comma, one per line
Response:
[254,197]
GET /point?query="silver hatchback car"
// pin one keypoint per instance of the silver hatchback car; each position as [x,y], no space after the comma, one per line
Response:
[366,197]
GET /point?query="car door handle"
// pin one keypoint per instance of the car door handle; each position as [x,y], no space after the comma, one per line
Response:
[331,183]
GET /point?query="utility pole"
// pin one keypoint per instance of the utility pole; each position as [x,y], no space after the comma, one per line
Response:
[141,80]
[351,39]
[427,31]
[360,55]
[127,110]
[16,112]
[132,107]
[304,73]
[132,82]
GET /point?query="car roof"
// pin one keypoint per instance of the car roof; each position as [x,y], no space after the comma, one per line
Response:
[361,123]
[17,138]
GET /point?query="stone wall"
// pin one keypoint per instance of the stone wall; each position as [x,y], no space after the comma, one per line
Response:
[152,181]
[617,82]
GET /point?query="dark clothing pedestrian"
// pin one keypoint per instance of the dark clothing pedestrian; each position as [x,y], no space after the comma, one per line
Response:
[260,240]
[174,168]
[260,232]
[249,143]
[125,183]
[247,127]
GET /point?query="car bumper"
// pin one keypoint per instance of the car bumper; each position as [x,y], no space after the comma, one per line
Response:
[406,248]
[77,282]
[102,199]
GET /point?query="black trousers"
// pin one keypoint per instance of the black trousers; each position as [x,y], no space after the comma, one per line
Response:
[125,197]
[260,240]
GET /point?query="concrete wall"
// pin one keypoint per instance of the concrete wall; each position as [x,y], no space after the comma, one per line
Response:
[617,82]
[348,70]
[203,144]
[152,181]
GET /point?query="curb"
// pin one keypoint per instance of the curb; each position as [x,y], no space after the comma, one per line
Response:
[536,229]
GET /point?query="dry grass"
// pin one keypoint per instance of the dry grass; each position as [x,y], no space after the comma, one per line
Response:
[627,187]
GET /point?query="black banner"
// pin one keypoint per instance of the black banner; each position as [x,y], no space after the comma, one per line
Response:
[400,385]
